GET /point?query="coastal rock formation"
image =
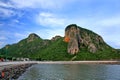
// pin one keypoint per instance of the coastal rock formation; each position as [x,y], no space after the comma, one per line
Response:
[78,38]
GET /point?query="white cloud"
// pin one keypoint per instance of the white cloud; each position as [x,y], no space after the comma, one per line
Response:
[7,8]
[111,21]
[50,20]
[3,38]
[6,12]
[16,21]
[108,28]
[45,4]
[55,24]
[19,35]
[6,4]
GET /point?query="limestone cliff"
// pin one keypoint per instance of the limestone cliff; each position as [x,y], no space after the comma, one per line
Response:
[78,38]
[73,38]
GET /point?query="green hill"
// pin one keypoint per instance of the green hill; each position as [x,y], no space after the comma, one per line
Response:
[89,44]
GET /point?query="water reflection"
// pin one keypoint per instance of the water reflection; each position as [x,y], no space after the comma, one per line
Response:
[72,72]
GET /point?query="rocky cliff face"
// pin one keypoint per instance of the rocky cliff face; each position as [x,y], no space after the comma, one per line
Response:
[78,38]
[73,38]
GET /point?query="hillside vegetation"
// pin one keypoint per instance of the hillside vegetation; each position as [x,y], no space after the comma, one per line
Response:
[90,47]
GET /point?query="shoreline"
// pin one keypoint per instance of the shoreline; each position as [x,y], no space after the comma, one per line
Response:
[12,63]
[78,62]
[15,63]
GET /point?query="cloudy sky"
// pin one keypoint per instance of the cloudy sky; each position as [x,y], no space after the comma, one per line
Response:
[47,18]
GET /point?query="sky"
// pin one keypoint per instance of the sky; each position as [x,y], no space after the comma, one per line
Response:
[47,18]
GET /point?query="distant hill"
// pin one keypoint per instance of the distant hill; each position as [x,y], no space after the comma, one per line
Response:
[77,44]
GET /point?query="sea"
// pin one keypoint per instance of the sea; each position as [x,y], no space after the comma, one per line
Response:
[72,72]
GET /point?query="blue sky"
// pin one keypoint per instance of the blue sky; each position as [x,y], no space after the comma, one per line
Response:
[47,18]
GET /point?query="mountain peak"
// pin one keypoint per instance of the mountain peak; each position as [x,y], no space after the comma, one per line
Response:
[33,34]
[71,25]
[32,37]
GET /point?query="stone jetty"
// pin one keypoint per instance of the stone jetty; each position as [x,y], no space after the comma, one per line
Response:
[13,71]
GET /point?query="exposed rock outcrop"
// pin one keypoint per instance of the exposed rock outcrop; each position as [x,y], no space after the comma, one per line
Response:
[78,38]
[32,37]
[73,39]
[55,38]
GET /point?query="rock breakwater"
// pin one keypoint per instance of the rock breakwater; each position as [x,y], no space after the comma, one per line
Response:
[13,72]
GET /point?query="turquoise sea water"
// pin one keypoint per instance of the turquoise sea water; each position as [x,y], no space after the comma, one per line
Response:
[72,72]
